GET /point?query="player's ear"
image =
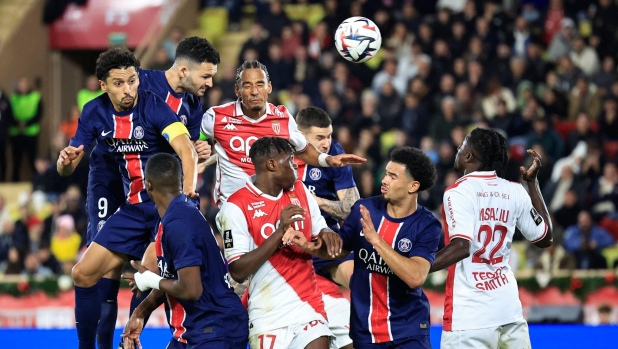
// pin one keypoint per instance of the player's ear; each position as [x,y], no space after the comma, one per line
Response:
[103,86]
[271,165]
[237,90]
[413,187]
[270,87]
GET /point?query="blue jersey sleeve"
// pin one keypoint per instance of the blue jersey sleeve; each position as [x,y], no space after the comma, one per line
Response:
[160,114]
[183,241]
[86,127]
[350,227]
[427,240]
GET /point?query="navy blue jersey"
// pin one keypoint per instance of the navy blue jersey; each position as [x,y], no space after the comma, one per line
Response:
[129,137]
[324,182]
[384,308]
[187,106]
[181,243]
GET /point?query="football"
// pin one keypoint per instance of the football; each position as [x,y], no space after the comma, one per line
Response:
[358,39]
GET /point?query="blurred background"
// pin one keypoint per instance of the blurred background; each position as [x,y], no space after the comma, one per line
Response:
[541,72]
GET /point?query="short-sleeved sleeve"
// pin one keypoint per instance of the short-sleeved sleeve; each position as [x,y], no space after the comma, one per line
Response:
[181,239]
[236,237]
[532,226]
[194,122]
[350,227]
[208,124]
[458,215]
[425,244]
[297,139]
[343,177]
[163,119]
[317,220]
[86,131]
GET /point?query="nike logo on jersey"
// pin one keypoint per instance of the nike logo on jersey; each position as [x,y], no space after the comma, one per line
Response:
[362,234]
[230,127]
[259,214]
[103,133]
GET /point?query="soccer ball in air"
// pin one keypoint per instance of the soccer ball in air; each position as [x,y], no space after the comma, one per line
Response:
[358,39]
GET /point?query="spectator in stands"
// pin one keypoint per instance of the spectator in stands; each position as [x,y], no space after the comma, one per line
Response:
[275,63]
[47,259]
[442,123]
[320,40]
[585,241]
[560,45]
[606,76]
[6,119]
[27,113]
[556,190]
[584,97]
[582,132]
[13,264]
[496,92]
[553,259]
[414,119]
[566,215]
[608,120]
[521,37]
[66,241]
[177,34]
[389,74]
[162,60]
[604,27]
[4,214]
[389,107]
[68,127]
[584,57]
[605,314]
[90,92]
[32,266]
[290,42]
[547,137]
[555,105]
[568,76]
[75,208]
[605,191]
[274,21]
[536,66]
[502,119]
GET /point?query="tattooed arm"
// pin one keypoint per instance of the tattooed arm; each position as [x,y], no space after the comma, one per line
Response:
[340,209]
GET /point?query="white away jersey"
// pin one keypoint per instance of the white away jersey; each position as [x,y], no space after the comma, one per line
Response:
[234,133]
[283,291]
[481,290]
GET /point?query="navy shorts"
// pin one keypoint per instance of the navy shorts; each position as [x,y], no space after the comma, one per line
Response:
[129,229]
[218,343]
[103,198]
[420,342]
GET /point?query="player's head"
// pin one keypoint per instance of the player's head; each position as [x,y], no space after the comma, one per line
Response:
[196,62]
[274,157]
[253,85]
[116,70]
[482,150]
[163,175]
[410,171]
[317,127]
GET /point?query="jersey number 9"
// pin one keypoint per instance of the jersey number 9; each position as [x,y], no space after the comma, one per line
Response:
[102,207]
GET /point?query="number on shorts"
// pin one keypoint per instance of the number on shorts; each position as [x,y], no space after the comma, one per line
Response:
[313,324]
[102,207]
[489,237]
[272,338]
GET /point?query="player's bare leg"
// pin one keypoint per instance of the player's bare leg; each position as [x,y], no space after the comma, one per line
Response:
[342,273]
[96,262]
[319,343]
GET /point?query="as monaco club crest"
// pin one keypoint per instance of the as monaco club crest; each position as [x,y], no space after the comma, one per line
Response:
[294,200]
[276,126]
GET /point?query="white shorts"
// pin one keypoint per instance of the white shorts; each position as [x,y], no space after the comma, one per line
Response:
[292,337]
[514,335]
[338,312]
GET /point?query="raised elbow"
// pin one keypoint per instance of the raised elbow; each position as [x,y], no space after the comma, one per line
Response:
[237,275]
[416,282]
[194,294]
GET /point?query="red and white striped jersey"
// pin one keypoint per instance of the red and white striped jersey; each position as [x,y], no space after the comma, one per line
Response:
[234,133]
[481,290]
[283,291]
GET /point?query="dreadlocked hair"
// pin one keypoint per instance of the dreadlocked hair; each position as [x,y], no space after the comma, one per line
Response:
[267,147]
[491,147]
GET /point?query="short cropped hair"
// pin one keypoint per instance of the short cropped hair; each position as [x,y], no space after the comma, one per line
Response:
[164,170]
[251,65]
[197,50]
[418,166]
[313,116]
[268,147]
[115,58]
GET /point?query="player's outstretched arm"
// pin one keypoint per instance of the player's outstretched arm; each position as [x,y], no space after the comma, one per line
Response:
[530,176]
[312,156]
[250,262]
[458,249]
[188,286]
[68,160]
[413,271]
[342,208]
[328,245]
[188,156]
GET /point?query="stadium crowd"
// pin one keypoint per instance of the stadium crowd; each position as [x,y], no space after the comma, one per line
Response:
[543,73]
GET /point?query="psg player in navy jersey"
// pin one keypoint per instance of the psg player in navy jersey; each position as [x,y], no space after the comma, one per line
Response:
[202,309]
[133,125]
[181,87]
[394,241]
[333,187]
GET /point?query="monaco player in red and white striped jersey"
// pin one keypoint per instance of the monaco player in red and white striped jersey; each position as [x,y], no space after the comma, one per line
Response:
[481,212]
[235,126]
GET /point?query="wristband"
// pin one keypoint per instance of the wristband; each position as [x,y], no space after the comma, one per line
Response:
[322,160]
[147,280]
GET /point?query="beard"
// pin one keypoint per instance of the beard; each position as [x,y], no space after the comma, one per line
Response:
[385,199]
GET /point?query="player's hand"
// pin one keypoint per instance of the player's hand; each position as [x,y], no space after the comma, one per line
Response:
[369,229]
[203,150]
[531,173]
[290,214]
[342,160]
[295,237]
[131,279]
[332,241]
[130,336]
[68,154]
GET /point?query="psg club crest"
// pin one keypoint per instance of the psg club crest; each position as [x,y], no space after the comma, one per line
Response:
[404,245]
[315,174]
[276,126]
[138,133]
[100,225]
[183,119]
